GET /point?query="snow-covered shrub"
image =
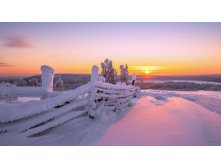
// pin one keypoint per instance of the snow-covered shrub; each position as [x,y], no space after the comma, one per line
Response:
[59,85]
[21,83]
[137,92]
[101,78]
[108,72]
[118,83]
[124,75]
[115,76]
[138,81]
[121,83]
[47,77]
[7,85]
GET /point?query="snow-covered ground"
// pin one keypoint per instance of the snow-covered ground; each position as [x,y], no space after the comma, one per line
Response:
[172,121]
[157,118]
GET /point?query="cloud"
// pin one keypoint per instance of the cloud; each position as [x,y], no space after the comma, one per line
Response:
[3,64]
[17,42]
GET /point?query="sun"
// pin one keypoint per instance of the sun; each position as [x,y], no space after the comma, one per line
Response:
[147,71]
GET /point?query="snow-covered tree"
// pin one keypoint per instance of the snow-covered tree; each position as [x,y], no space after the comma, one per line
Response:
[101,78]
[21,82]
[115,76]
[59,85]
[108,72]
[124,75]
[33,82]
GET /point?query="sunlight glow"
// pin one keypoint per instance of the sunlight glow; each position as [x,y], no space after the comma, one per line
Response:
[146,69]
[149,48]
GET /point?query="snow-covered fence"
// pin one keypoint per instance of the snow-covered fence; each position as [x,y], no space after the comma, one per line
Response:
[43,91]
[39,116]
[93,98]
[12,112]
[110,96]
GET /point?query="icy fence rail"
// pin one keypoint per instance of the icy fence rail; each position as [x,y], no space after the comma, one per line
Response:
[14,92]
[46,89]
[12,112]
[111,97]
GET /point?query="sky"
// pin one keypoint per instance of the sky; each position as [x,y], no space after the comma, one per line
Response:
[147,48]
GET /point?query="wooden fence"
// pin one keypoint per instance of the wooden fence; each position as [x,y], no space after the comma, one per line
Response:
[37,117]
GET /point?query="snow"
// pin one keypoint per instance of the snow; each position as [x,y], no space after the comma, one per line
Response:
[208,99]
[45,117]
[157,118]
[174,121]
[27,99]
[125,115]
[7,85]
[121,86]
[101,78]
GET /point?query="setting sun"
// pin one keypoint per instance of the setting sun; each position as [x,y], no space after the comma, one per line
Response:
[146,69]
[147,72]
[151,69]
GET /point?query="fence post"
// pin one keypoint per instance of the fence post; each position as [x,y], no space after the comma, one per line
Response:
[94,75]
[47,77]
[92,104]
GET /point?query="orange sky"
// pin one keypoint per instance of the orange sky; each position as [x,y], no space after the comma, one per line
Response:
[147,48]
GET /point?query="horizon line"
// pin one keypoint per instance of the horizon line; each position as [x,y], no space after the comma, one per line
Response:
[175,75]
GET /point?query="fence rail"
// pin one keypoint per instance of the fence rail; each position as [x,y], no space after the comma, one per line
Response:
[14,92]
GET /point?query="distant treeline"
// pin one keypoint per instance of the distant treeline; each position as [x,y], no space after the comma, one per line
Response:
[213,78]
[71,81]
[184,86]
